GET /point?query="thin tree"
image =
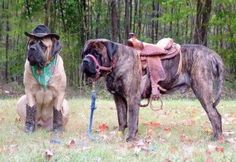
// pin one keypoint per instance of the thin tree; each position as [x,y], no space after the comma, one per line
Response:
[114,20]
[202,20]
[127,19]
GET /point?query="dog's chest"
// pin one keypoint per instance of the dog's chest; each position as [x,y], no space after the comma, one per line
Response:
[115,85]
[44,96]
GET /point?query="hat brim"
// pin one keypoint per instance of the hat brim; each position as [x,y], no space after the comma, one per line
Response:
[42,35]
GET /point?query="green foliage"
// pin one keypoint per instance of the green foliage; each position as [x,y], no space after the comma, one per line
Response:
[77,21]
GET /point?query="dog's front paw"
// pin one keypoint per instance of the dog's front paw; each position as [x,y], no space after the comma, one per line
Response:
[29,128]
[58,129]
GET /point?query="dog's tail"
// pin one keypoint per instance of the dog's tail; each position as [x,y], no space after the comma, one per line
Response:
[218,73]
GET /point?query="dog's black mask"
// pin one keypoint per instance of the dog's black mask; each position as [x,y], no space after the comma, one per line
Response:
[35,53]
[88,65]
[37,49]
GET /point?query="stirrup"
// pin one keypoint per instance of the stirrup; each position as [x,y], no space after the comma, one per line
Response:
[156,108]
[144,105]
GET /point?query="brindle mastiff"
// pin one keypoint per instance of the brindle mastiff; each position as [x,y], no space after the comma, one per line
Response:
[45,81]
[202,70]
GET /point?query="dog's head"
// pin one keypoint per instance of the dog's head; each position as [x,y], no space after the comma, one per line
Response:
[40,51]
[97,52]
[42,46]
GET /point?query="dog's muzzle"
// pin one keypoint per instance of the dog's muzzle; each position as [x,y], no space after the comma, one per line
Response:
[35,56]
[89,67]
[92,68]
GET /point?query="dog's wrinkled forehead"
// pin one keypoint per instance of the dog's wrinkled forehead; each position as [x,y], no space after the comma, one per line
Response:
[102,47]
[93,46]
[46,42]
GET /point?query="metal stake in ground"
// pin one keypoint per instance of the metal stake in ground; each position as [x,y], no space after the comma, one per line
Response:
[92,108]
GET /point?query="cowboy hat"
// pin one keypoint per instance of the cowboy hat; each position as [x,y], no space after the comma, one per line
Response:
[42,31]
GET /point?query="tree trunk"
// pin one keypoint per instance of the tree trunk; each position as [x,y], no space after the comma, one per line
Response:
[202,20]
[62,16]
[157,10]
[118,21]
[7,44]
[114,20]
[47,12]
[139,19]
[135,15]
[127,20]
[28,9]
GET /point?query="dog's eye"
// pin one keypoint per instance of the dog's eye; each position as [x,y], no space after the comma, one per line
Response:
[42,45]
[31,43]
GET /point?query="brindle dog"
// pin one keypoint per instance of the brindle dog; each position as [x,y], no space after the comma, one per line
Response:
[202,70]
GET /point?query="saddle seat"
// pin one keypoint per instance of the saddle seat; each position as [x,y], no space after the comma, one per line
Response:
[150,57]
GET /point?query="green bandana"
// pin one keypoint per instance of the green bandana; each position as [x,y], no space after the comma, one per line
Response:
[46,73]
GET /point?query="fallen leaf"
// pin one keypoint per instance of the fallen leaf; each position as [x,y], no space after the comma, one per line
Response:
[102,127]
[48,154]
[71,144]
[152,124]
[167,129]
[219,149]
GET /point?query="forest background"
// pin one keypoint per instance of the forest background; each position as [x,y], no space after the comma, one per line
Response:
[208,22]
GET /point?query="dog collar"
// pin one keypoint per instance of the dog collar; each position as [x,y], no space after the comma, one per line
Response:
[45,74]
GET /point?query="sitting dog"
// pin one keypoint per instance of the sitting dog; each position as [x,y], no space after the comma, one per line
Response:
[45,82]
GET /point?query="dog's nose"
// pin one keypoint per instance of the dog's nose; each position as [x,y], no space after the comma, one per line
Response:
[86,60]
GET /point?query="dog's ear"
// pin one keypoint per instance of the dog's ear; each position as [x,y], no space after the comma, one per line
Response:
[56,47]
[111,48]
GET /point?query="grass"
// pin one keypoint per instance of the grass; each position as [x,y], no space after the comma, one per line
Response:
[179,132]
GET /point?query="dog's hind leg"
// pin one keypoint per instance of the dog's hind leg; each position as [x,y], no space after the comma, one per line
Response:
[121,107]
[202,86]
[133,108]
[21,107]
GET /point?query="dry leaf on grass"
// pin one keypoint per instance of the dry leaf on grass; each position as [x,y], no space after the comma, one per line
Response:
[48,154]
[152,124]
[219,149]
[71,144]
[102,128]
[167,129]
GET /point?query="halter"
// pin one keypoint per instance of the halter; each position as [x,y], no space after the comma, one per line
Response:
[100,68]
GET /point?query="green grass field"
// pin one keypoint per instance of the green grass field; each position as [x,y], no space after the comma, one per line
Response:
[179,132]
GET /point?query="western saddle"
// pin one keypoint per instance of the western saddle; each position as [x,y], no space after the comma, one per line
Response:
[151,56]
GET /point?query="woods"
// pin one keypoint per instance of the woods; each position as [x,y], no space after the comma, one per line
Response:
[207,22]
